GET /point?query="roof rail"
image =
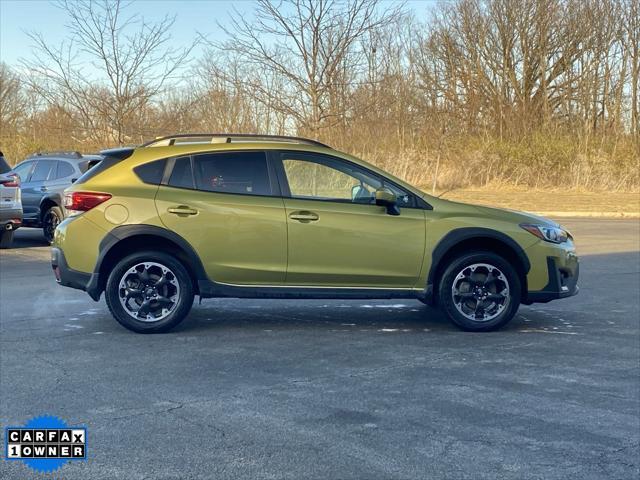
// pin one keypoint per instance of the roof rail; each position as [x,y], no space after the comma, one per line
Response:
[74,154]
[170,140]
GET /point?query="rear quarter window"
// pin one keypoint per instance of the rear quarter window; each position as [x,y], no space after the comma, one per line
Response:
[151,172]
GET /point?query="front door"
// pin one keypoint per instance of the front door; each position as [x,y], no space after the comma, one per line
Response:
[338,237]
[226,206]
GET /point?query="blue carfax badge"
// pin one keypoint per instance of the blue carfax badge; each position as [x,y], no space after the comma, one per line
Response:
[45,443]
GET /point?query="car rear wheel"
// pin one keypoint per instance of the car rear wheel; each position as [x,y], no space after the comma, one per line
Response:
[6,238]
[149,292]
[50,221]
[480,291]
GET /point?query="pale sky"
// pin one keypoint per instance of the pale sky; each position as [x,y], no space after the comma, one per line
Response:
[18,16]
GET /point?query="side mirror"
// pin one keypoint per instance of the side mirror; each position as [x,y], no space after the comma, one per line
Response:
[386,198]
[74,180]
[355,192]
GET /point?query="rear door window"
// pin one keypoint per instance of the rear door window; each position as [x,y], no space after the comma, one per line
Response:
[42,170]
[243,173]
[182,174]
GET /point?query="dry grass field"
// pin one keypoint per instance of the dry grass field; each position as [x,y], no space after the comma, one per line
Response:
[553,202]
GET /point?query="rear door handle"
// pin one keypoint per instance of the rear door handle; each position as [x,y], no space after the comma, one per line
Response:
[304,216]
[182,210]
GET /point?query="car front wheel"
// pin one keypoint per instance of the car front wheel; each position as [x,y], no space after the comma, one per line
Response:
[149,292]
[480,291]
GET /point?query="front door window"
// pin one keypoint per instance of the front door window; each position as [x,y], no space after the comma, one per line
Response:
[323,178]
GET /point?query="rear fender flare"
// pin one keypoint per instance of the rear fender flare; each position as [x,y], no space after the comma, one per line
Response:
[118,234]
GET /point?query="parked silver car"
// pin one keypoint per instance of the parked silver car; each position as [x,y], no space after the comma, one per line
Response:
[10,204]
[44,177]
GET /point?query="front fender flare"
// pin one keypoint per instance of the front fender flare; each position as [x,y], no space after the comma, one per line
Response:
[455,237]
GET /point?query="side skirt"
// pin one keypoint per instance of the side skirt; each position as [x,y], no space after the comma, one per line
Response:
[210,289]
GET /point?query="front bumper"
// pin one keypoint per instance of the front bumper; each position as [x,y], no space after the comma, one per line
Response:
[563,282]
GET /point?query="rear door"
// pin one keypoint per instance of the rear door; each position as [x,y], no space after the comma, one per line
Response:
[34,188]
[227,206]
[59,179]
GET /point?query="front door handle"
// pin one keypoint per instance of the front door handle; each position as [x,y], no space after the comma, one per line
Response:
[182,210]
[304,216]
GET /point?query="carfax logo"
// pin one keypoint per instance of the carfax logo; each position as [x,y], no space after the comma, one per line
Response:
[45,443]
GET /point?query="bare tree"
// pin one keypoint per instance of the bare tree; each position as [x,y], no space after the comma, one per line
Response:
[479,92]
[109,68]
[631,23]
[11,101]
[311,47]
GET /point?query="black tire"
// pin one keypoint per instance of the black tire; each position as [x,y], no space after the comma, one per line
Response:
[501,311]
[6,238]
[176,313]
[50,221]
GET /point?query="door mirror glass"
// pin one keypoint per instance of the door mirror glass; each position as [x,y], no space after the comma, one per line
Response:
[386,198]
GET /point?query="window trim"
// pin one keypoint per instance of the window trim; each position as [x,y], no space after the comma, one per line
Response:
[278,158]
[271,172]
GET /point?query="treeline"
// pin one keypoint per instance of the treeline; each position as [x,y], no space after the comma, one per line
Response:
[538,93]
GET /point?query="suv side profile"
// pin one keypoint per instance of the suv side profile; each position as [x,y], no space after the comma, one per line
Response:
[245,216]
[44,176]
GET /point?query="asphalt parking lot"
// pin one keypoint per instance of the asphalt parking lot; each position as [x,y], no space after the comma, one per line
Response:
[344,389]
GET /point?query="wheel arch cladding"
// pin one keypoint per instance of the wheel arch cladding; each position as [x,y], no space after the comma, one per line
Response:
[462,240]
[128,239]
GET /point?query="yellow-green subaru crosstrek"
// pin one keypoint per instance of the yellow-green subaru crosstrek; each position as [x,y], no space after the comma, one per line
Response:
[248,216]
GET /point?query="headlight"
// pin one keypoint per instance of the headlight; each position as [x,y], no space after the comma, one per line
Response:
[547,233]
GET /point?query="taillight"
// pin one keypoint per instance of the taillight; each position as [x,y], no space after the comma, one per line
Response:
[83,201]
[13,182]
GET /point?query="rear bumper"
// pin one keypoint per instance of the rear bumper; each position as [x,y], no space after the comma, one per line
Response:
[66,276]
[563,283]
[10,218]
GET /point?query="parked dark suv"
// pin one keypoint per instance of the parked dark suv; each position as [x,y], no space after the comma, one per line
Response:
[44,176]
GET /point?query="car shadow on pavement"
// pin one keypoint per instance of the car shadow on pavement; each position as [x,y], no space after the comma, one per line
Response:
[28,238]
[315,315]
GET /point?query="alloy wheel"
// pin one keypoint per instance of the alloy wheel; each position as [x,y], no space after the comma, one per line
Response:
[480,292]
[51,221]
[149,291]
